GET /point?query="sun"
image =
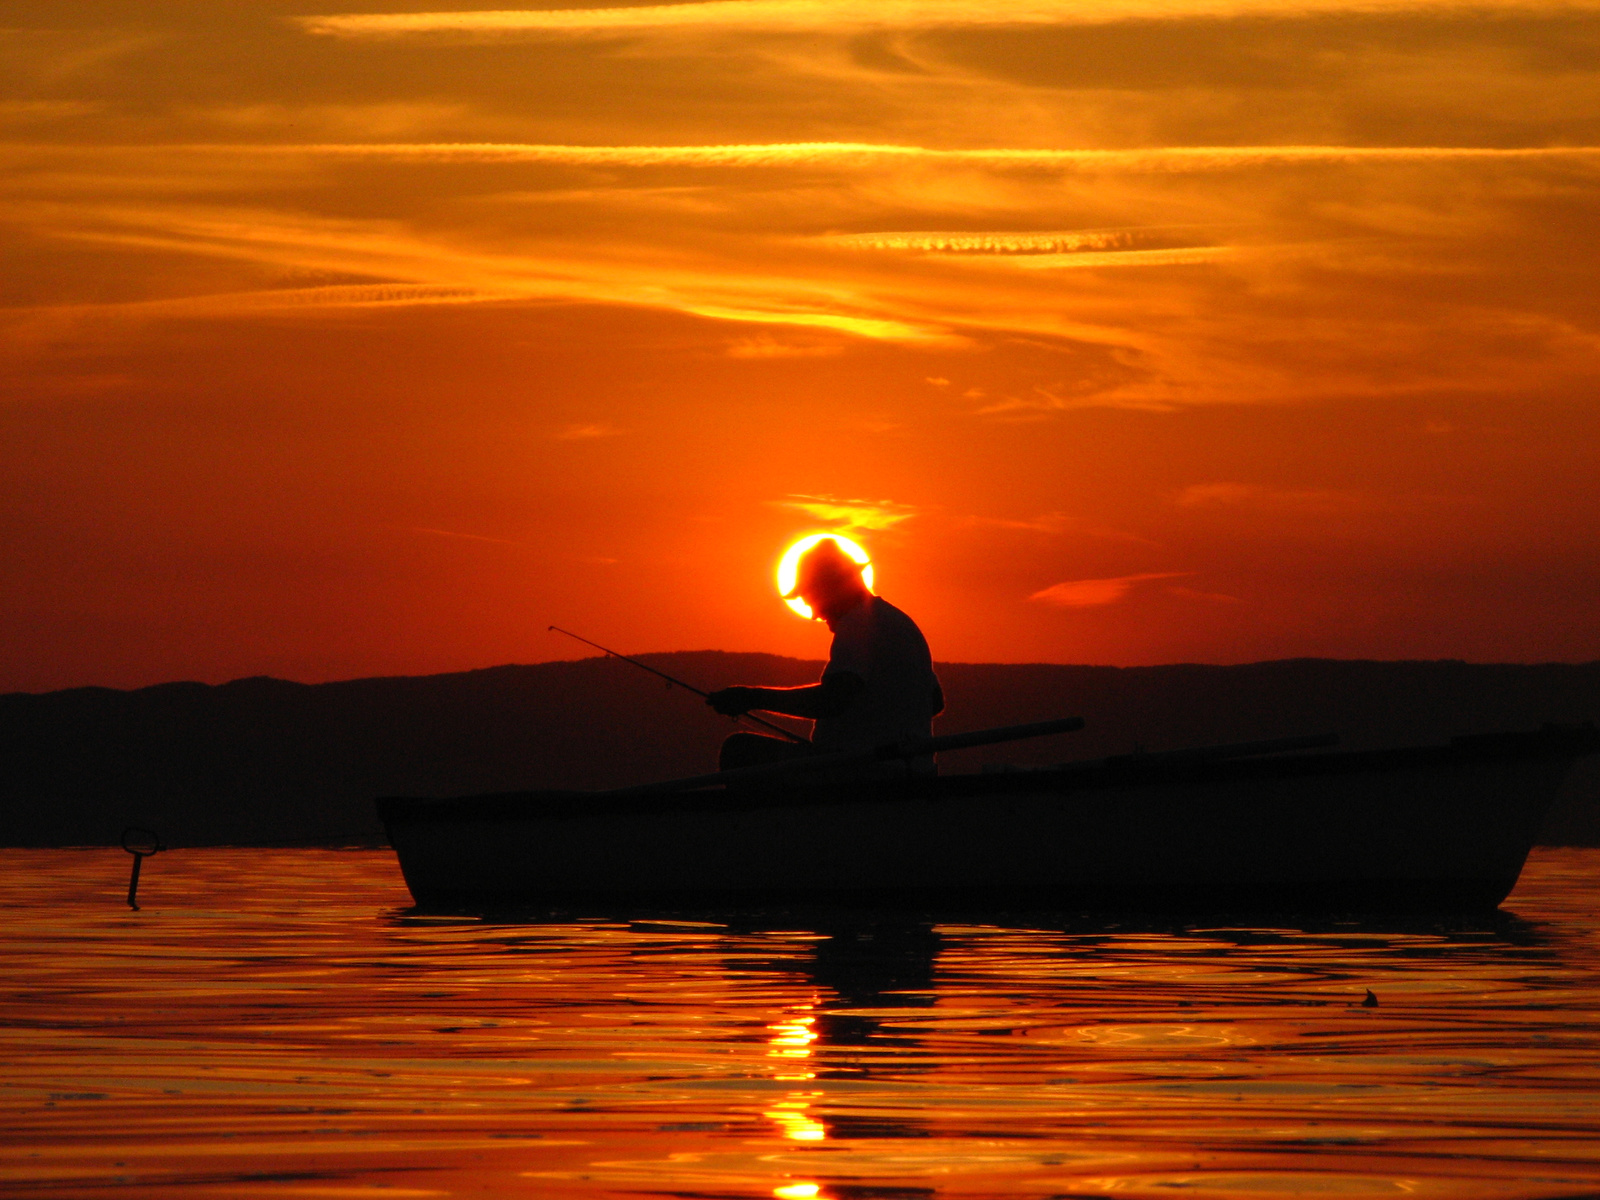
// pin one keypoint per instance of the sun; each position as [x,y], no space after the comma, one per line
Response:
[789,565]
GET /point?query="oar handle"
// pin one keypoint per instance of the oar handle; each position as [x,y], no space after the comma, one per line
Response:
[1313,741]
[990,737]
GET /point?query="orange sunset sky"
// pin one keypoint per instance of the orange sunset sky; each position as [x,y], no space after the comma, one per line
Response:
[372,339]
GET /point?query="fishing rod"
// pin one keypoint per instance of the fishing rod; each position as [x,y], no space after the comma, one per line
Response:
[779,729]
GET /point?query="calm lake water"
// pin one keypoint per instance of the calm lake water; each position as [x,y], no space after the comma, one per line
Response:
[274,1023]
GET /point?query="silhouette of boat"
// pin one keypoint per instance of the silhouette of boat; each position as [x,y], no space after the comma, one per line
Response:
[1421,828]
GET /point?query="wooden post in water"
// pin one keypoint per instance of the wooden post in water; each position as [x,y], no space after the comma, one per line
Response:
[141,843]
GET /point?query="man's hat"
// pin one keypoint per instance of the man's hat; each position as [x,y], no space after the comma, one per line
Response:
[824,561]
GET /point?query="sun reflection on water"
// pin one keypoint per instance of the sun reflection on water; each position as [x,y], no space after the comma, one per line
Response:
[793,1038]
[793,1119]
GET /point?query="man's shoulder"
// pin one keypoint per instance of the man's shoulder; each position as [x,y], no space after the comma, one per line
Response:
[883,611]
[874,620]
[889,621]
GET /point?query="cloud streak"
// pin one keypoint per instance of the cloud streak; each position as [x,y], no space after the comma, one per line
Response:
[1307,501]
[465,537]
[851,514]
[1054,524]
[852,16]
[1124,314]
[1047,251]
[587,433]
[845,155]
[997,242]
[1093,593]
[432,270]
[220,304]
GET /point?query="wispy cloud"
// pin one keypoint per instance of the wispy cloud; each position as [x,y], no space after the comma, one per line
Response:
[467,537]
[1189,256]
[430,269]
[1154,247]
[586,433]
[1165,339]
[1056,523]
[228,304]
[1091,593]
[763,346]
[851,514]
[876,328]
[18,112]
[385,120]
[1311,501]
[1163,160]
[846,16]
[1002,241]
[1189,593]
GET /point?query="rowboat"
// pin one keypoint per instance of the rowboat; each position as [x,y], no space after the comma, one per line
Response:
[1443,827]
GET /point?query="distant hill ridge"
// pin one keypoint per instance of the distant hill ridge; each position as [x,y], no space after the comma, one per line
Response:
[266,760]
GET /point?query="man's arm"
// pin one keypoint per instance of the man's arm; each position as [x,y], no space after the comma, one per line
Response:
[826,699]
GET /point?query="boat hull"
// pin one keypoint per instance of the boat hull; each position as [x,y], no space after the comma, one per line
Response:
[1429,828]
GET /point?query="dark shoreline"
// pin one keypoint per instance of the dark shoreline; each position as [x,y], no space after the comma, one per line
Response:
[268,762]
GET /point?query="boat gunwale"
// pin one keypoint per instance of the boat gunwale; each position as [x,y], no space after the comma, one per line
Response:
[1123,771]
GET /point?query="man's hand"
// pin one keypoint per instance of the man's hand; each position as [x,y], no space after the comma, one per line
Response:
[734,701]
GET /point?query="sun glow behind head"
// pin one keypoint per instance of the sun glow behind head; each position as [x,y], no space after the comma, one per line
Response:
[789,566]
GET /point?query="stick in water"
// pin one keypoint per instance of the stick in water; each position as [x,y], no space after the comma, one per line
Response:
[141,843]
[792,736]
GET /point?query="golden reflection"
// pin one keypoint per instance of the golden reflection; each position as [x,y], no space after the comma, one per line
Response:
[287,985]
[794,1120]
[789,566]
[791,1039]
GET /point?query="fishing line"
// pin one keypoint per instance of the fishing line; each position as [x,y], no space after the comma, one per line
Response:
[778,729]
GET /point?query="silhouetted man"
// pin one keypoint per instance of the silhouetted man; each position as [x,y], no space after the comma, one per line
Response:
[878,686]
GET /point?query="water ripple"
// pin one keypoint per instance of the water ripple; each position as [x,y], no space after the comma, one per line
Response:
[278,1023]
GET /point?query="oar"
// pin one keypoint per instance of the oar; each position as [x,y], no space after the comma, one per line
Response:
[779,729]
[909,748]
[1314,741]
[1141,758]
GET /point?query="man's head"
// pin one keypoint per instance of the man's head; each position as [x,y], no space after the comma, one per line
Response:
[828,580]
